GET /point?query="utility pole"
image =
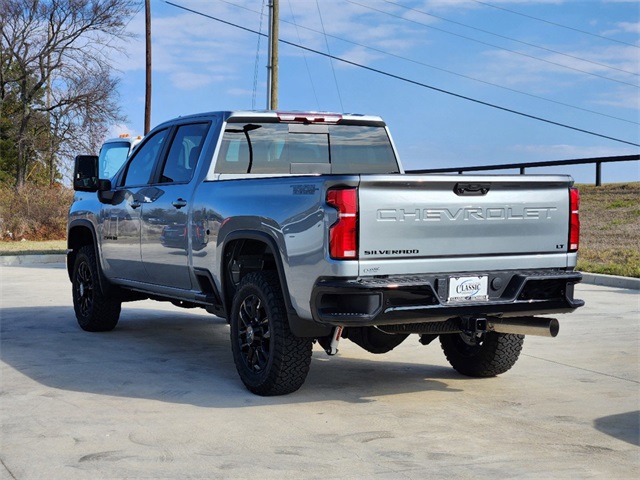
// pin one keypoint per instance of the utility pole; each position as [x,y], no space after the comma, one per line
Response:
[147,97]
[272,66]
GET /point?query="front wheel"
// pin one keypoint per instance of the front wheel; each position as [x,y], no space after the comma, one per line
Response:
[269,358]
[95,311]
[487,355]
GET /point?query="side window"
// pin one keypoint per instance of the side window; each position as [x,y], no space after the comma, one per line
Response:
[184,153]
[141,165]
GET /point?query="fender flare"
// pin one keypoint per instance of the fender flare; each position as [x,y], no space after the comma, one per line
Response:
[87,225]
[300,327]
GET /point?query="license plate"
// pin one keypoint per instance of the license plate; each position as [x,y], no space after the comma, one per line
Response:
[468,289]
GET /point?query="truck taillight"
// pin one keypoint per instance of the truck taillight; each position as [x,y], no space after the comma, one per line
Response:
[343,235]
[574,225]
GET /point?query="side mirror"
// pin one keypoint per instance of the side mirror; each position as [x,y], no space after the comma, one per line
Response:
[85,173]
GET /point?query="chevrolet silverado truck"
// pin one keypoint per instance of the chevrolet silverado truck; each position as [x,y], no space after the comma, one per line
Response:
[303,228]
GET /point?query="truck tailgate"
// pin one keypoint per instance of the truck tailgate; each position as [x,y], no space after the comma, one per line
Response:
[413,217]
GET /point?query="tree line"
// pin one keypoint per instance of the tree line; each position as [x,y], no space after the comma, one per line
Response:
[58,88]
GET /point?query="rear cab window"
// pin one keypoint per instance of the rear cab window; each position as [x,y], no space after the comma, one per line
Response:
[284,148]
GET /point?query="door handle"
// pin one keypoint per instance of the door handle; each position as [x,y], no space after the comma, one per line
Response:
[179,203]
[135,204]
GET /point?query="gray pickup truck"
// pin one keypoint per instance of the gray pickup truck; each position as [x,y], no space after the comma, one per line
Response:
[300,228]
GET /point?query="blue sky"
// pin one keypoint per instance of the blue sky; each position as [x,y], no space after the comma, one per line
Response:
[571,62]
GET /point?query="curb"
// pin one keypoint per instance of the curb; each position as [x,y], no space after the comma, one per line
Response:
[588,278]
[611,281]
[14,260]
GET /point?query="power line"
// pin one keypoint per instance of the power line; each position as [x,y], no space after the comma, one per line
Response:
[604,77]
[492,105]
[417,62]
[313,87]
[512,39]
[255,68]
[333,70]
[556,24]
[413,82]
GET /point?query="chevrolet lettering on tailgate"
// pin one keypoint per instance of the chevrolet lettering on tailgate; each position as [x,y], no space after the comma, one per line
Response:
[467,213]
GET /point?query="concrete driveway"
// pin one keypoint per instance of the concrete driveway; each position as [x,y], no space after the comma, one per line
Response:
[159,398]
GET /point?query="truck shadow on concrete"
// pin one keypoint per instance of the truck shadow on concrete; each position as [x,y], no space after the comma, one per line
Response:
[624,426]
[185,357]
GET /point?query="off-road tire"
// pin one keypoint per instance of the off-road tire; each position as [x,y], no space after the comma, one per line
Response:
[374,340]
[95,311]
[269,358]
[495,353]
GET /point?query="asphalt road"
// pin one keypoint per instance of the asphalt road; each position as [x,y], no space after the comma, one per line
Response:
[159,398]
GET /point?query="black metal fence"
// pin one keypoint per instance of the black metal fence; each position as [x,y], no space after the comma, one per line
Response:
[598,161]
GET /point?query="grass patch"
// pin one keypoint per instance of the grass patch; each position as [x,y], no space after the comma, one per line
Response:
[618,221]
[614,261]
[610,229]
[29,247]
[621,203]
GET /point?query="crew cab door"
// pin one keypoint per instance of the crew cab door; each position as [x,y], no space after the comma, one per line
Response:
[120,217]
[168,234]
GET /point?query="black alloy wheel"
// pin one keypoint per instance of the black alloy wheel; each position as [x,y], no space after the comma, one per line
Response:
[254,334]
[95,311]
[269,358]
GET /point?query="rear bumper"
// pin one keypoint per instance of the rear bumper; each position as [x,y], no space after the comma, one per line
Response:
[423,298]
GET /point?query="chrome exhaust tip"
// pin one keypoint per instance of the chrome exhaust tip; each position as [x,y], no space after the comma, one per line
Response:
[541,327]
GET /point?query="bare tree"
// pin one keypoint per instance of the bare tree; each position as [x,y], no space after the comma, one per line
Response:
[54,64]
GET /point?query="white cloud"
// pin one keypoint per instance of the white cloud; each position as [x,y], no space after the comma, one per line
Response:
[442,4]
[623,27]
[119,129]
[627,98]
[353,22]
[239,92]
[187,44]
[190,81]
[553,72]
[629,27]
[359,55]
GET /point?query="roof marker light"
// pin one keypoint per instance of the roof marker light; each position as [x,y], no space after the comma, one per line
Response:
[310,117]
